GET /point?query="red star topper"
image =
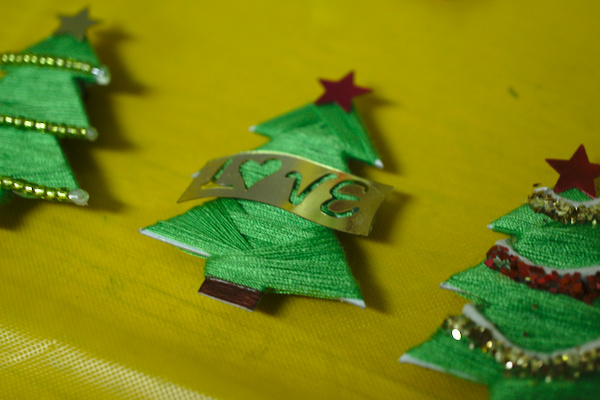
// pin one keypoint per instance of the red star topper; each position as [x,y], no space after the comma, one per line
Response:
[577,172]
[341,91]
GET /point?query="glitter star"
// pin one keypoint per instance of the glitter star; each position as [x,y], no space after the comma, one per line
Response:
[577,172]
[75,25]
[341,91]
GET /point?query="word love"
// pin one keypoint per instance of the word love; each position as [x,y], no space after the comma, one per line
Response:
[313,191]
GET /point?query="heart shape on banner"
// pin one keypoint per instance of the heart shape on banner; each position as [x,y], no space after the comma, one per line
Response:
[252,171]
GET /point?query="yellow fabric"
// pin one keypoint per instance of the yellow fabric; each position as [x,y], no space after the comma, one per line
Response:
[469,98]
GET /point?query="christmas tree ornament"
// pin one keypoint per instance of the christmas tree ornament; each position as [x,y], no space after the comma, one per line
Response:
[533,327]
[40,105]
[270,228]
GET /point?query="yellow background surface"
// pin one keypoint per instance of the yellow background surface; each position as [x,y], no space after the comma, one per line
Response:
[470,97]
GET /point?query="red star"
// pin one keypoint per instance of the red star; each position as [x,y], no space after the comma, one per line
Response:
[341,91]
[577,172]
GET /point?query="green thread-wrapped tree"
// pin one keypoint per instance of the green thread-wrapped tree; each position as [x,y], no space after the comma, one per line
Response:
[40,104]
[533,329]
[253,247]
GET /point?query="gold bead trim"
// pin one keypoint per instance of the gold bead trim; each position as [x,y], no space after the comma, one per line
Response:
[546,202]
[516,362]
[59,130]
[29,189]
[48,61]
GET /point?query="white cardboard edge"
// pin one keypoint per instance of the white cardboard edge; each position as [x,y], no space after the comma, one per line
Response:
[447,286]
[355,302]
[174,243]
[407,359]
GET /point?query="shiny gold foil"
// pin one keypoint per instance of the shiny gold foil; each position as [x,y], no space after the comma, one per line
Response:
[222,178]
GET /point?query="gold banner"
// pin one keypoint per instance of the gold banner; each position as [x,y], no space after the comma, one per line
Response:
[326,196]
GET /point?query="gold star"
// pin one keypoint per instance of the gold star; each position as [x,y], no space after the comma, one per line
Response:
[75,25]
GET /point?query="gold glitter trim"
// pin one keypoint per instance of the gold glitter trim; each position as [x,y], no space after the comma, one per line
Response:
[59,130]
[516,362]
[30,189]
[99,72]
[560,210]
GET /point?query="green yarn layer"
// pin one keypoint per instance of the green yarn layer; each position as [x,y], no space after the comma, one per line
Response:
[66,46]
[535,320]
[524,218]
[46,94]
[561,246]
[339,135]
[444,353]
[264,247]
[34,157]
[585,388]
[575,195]
[548,242]
[519,221]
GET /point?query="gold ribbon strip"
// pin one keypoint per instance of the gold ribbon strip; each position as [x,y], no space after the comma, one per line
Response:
[332,198]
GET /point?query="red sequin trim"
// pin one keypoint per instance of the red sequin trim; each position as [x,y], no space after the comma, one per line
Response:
[584,288]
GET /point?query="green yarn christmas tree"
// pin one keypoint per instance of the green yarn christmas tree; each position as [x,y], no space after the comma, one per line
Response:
[532,330]
[40,105]
[251,247]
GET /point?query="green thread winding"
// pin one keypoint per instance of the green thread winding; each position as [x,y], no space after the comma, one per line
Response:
[518,221]
[524,218]
[264,247]
[548,242]
[532,389]
[48,95]
[550,321]
[561,246]
[456,358]
[533,319]
[297,131]
[66,46]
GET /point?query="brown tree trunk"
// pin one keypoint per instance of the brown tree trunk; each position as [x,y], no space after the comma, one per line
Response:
[227,292]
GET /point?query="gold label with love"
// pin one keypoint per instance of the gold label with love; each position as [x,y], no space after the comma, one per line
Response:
[316,192]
